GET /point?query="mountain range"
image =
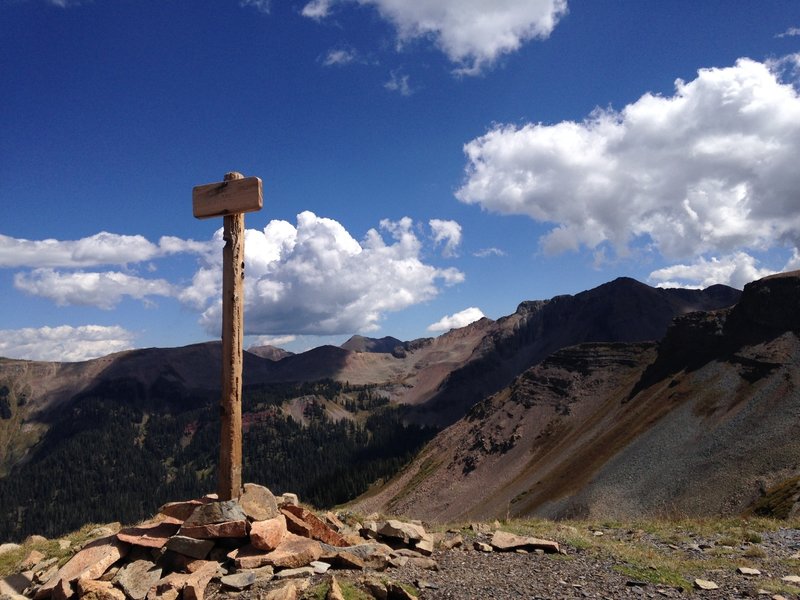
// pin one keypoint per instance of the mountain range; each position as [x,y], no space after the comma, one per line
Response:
[566,407]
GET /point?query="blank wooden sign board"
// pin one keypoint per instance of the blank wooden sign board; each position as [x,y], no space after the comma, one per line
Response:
[227,197]
[230,198]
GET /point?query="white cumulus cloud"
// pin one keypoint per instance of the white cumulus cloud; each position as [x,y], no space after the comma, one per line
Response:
[459,319]
[101,289]
[473,34]
[100,249]
[734,270]
[447,233]
[710,169]
[64,343]
[314,278]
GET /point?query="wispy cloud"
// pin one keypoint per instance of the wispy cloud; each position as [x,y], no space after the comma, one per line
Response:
[791,32]
[487,252]
[339,57]
[399,83]
[262,6]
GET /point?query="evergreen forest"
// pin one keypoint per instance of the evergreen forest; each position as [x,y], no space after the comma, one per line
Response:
[119,452]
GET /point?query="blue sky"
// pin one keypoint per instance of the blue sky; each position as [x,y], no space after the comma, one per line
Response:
[424,163]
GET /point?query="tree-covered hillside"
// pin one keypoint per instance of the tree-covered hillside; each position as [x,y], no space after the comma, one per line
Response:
[120,451]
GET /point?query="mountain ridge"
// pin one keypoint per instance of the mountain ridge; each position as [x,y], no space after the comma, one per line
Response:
[585,433]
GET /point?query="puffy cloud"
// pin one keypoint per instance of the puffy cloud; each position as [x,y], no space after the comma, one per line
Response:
[103,290]
[447,233]
[710,169]
[315,278]
[64,343]
[459,319]
[734,270]
[100,249]
[472,33]
[398,83]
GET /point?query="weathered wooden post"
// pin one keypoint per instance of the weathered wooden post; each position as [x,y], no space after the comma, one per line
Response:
[230,199]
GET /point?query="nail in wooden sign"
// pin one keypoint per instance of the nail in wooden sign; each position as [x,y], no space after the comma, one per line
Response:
[227,198]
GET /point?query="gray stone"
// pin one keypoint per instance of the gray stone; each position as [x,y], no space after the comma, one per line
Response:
[408,532]
[216,512]
[453,542]
[288,498]
[748,571]
[362,551]
[195,548]
[239,581]
[258,503]
[424,563]
[319,567]
[506,542]
[425,545]
[704,584]
[137,578]
[294,573]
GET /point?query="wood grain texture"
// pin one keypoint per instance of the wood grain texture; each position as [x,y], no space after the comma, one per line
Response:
[228,197]
[230,463]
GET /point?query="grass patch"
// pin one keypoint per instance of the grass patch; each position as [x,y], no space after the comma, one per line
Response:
[657,575]
[349,591]
[755,552]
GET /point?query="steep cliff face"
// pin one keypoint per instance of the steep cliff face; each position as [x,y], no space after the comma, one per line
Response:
[699,424]
[623,310]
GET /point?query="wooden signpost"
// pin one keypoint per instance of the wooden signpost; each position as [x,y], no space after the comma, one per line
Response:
[230,199]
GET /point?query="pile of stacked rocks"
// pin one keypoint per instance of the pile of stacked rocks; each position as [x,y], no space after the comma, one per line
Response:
[256,539]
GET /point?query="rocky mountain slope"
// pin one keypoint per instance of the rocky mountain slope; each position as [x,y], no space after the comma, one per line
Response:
[623,310]
[704,422]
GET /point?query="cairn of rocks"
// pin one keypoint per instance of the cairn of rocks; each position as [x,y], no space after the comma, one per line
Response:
[255,540]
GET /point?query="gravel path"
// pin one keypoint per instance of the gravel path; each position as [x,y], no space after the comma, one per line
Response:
[604,570]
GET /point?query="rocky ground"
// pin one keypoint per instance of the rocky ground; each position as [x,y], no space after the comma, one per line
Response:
[622,563]
[260,548]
